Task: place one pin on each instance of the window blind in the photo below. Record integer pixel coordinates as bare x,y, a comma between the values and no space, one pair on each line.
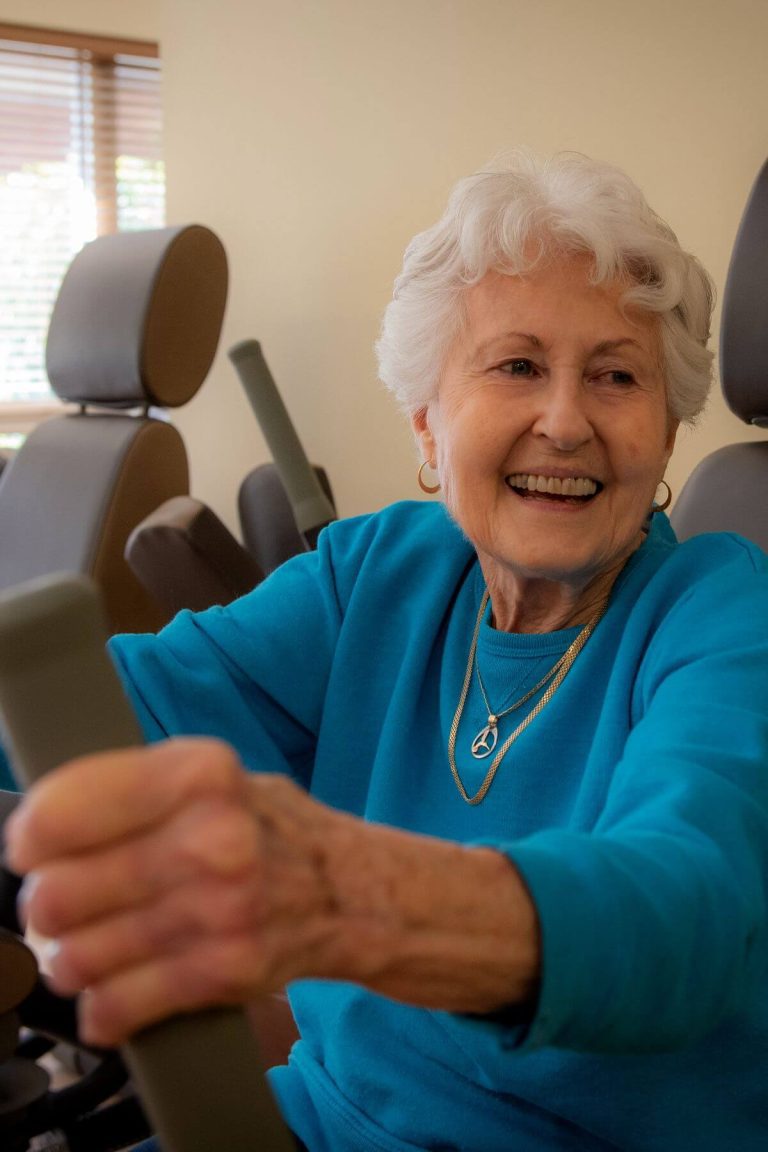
80,156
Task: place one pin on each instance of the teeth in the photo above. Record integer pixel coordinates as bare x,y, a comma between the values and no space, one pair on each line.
553,485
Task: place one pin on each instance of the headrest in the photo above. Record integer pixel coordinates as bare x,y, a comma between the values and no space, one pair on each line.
744,326
138,318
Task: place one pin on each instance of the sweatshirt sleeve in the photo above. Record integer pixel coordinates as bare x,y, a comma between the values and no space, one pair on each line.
654,923
252,673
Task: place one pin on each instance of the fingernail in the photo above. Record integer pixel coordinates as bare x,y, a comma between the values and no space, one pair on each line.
54,967
26,892
47,953
12,829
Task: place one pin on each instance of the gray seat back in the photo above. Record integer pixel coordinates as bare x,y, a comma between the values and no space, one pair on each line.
269,528
136,323
728,490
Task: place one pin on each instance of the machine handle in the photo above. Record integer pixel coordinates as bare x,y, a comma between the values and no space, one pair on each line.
198,1075
312,509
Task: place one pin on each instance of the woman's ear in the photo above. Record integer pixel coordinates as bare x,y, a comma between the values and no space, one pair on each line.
420,424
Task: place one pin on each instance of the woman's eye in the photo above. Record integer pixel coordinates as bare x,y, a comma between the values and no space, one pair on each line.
518,368
617,376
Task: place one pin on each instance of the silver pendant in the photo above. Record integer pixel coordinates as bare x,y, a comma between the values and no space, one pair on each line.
485,742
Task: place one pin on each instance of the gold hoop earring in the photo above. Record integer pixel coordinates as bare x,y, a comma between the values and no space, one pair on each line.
663,507
428,488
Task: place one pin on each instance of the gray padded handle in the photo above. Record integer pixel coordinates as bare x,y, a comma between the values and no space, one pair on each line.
311,507
199,1075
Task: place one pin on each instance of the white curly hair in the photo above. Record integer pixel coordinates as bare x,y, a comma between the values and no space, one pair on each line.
518,213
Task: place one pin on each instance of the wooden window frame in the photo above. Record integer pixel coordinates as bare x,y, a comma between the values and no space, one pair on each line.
18,417
103,48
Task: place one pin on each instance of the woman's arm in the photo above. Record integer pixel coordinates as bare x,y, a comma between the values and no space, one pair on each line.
199,884
653,921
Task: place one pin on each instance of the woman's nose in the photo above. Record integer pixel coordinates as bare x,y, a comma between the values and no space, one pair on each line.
563,417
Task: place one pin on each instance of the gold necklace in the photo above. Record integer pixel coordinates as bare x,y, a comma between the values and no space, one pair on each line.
556,675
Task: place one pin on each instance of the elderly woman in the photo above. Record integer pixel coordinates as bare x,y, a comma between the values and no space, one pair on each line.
504,829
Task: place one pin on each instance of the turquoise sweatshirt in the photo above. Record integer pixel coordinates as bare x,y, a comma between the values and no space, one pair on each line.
635,806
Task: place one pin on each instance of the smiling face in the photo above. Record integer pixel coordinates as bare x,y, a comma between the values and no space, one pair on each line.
550,433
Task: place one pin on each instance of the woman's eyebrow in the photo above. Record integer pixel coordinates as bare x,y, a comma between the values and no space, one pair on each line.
494,345
599,349
613,345
484,346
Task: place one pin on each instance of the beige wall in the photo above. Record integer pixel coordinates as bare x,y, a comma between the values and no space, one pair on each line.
316,136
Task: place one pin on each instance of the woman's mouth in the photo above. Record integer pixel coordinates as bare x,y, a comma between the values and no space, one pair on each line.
563,489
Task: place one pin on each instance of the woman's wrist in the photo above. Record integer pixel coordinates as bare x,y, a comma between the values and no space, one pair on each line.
429,921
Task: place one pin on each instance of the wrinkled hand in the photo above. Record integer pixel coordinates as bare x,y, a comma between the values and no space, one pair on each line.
169,880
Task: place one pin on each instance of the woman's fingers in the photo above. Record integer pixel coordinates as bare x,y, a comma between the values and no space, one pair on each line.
276,886
141,995
102,798
179,923
169,880
214,970
212,837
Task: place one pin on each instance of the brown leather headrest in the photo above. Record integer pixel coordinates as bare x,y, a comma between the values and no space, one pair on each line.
138,317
